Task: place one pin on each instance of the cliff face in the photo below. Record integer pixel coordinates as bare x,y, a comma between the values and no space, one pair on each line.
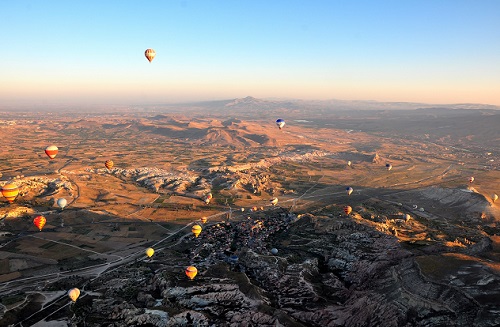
328,272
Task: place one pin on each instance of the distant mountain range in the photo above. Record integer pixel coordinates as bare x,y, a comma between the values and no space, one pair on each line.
250,101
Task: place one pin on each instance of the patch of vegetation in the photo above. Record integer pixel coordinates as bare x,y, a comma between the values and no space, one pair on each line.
9,300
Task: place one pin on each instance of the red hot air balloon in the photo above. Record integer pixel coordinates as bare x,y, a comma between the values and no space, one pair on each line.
150,54
39,222
51,151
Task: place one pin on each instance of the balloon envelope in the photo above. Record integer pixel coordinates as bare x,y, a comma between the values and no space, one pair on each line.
196,230
471,179
10,191
274,251
39,222
51,151
274,201
388,166
494,197
349,163
203,220
348,190
347,210
73,294
108,164
150,54
62,203
150,252
191,272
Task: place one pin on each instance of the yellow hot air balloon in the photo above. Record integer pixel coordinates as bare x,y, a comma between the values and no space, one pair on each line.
494,197
150,54
347,210
10,191
203,220
109,164
150,252
196,230
73,294
191,272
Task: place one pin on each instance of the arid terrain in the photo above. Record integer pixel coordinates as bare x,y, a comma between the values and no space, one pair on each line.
421,246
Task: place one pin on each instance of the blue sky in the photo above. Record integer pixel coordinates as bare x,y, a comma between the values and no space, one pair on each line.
92,52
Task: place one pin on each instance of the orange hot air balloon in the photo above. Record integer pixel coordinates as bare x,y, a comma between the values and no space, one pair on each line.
73,294
347,210
10,191
51,151
196,230
109,164
203,220
150,252
39,222
191,272
150,54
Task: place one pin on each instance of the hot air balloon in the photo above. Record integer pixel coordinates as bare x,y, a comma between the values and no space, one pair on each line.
62,203
347,210
348,190
471,179
415,206
39,222
203,220
150,54
407,217
73,294
150,252
280,123
349,163
274,251
494,197
191,272
51,151
10,191
208,197
196,230
109,164
388,166
274,201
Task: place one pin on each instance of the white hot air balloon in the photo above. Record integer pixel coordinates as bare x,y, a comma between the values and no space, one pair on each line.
62,203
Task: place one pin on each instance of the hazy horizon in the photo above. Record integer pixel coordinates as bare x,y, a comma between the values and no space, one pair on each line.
92,53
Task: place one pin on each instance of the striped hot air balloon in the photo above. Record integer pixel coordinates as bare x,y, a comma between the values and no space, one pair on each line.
191,272
10,191
196,230
109,164
51,151
39,222
150,54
